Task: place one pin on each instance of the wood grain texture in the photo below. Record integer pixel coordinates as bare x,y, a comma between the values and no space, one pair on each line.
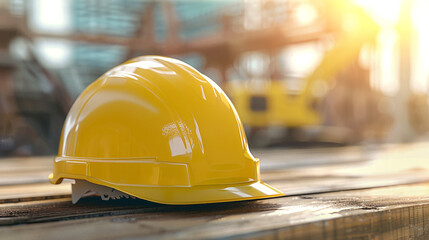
390,212
360,168
382,194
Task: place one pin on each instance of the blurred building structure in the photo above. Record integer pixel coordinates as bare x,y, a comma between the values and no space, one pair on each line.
33,101
238,40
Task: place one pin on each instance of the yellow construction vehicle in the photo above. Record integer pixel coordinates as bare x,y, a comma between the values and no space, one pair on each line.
273,104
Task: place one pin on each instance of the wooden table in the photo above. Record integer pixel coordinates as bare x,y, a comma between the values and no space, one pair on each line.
332,193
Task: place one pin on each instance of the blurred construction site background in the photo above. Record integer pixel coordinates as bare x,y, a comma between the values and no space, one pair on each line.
298,71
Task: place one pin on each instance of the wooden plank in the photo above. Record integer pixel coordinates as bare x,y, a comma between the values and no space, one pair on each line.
30,207
32,192
289,181
280,158
385,169
47,209
391,212
60,209
28,177
26,164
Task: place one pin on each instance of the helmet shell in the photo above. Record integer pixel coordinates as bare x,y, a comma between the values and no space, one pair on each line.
155,124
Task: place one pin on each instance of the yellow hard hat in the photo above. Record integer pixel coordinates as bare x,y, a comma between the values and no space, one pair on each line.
157,129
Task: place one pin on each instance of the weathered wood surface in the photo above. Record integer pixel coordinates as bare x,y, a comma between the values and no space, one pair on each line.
322,203
398,212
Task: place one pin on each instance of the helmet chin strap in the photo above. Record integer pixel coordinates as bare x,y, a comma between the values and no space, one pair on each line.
82,188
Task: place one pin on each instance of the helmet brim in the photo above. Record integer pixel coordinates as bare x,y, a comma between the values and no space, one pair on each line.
203,194
194,195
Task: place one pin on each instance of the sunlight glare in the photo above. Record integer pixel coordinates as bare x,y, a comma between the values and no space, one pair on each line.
384,12
420,19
